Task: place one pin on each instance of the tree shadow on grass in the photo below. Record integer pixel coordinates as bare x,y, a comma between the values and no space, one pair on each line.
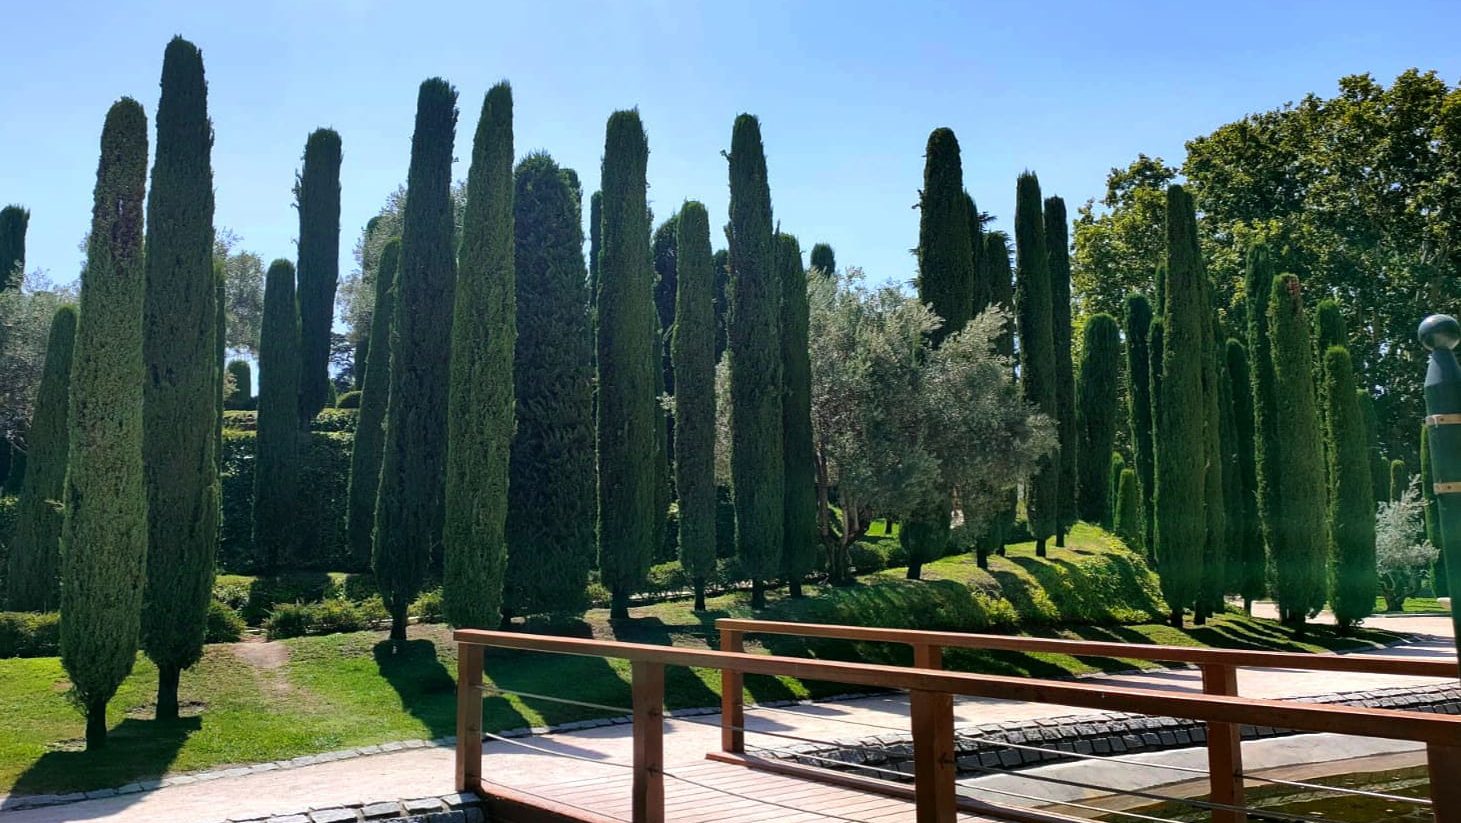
427,690
135,750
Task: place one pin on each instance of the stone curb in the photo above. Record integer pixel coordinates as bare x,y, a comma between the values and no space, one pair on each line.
452,808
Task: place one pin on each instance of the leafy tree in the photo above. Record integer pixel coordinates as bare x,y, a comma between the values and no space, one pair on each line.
33,582
1432,511
1139,404
1128,519
180,395
799,544
276,472
692,350
1098,415
1037,349
1251,567
1401,560
753,329
13,223
1057,241
317,195
104,537
550,513
243,292
1120,242
627,368
365,456
824,259
409,506
1351,501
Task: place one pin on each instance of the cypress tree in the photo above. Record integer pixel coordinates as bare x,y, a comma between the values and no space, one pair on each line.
13,223
663,247
1328,328
1057,241
1139,403
1432,514
409,501
180,396
721,264
1399,478
33,581
365,456
1098,415
276,472
799,544
104,536
1228,542
995,261
753,328
1156,343
1351,501
243,384
824,259
1298,550
550,511
595,241
1037,350
1117,466
317,195
1258,286
1214,398
1182,453
945,256
1251,572
627,368
480,402
692,348
1128,519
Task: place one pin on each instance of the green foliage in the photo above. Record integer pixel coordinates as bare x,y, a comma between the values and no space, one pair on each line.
550,514
370,424
1120,241
30,634
1068,418
224,625
799,524
1432,510
692,350
824,259
1098,415
1139,404
945,252
627,418
329,616
1399,478
409,500
13,223
241,395
1038,373
753,327
1351,501
348,400
1117,465
33,581
1328,328
664,247
1379,466
429,607
323,466
1128,522
1251,573
104,539
276,475
480,405
317,196
1218,447
1268,468
994,266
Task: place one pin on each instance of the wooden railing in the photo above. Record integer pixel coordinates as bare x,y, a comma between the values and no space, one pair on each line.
931,691
1218,667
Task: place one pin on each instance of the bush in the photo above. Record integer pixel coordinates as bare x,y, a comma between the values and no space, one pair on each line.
232,593
330,616
340,419
869,556
265,593
224,624
348,400
289,620
359,587
9,508
324,480
427,607
334,616
30,634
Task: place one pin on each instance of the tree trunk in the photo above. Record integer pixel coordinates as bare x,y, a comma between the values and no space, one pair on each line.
981,558
758,594
1040,547
96,724
915,569
1176,618
398,623
1248,606
699,594
1060,537
794,589
619,604
167,692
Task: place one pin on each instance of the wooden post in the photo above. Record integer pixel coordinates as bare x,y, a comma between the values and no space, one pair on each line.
732,699
1445,765
469,718
1224,747
933,756
927,656
649,742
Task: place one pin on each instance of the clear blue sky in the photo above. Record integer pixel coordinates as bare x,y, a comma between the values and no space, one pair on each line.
846,91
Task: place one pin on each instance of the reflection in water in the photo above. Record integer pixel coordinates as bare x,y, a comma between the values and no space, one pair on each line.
1308,803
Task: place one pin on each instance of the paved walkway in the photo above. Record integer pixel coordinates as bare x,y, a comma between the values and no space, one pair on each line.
604,750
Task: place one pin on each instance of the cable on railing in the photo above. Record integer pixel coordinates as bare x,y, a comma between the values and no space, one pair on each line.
902,776
761,800
531,696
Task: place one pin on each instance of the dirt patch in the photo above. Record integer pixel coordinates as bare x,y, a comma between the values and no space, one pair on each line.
261,654
186,708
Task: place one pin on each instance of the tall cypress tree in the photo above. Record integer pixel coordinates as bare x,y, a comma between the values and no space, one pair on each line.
1117,467
1037,350
627,369
180,396
276,469
1127,519
1399,478
1258,286
104,537
409,507
1300,537
1228,542
1156,343
33,581
692,349
1351,501
317,195
799,545
1432,515
1057,242
365,456
595,241
1139,404
663,247
720,263
753,327
1182,454
1215,487
1252,570
550,512
824,259
13,223
480,401
1328,328
1098,415
995,261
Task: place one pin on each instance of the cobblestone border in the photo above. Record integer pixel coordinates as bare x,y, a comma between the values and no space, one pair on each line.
461,807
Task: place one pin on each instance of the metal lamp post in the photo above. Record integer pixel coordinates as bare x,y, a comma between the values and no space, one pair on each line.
1440,333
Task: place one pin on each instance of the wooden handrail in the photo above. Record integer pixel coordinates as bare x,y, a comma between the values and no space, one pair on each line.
1237,658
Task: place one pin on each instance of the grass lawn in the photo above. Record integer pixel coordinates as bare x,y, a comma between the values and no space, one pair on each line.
1420,605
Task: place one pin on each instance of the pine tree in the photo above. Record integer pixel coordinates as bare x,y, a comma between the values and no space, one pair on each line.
480,401
1037,350
276,472
994,262
753,328
33,581
1432,513
317,195
13,223
180,395
824,260
627,416
1139,404
365,456
1098,415
799,545
1128,519
550,512
1252,559
104,536
1298,550
243,384
1258,286
409,503
1116,468
1057,241
692,349
1351,501
1399,478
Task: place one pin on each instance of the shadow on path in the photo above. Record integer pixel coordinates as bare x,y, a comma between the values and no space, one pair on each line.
135,750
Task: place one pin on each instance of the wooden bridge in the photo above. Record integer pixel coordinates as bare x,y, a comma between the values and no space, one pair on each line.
733,785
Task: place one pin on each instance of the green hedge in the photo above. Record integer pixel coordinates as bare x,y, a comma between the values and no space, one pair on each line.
328,420
30,634
9,508
324,483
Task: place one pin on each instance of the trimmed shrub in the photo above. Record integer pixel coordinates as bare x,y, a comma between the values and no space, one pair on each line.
13,223
276,478
428,607
348,400
224,624
824,259
317,198
324,461
1129,524
241,396
30,634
